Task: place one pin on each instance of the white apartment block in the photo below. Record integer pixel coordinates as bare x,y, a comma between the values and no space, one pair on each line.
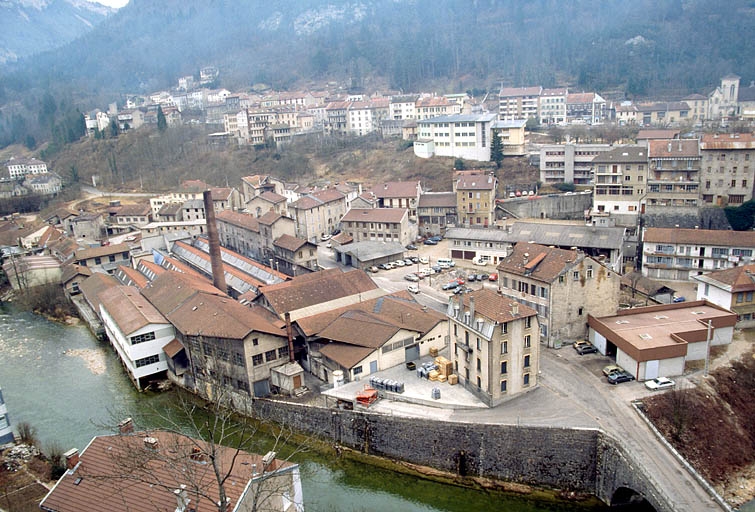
459,136
569,163
20,167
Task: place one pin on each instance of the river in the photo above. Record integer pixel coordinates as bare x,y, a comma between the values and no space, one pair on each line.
70,387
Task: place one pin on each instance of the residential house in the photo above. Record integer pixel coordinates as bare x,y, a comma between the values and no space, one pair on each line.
72,276
626,114
317,214
398,194
252,186
657,341
148,471
496,345
552,106
378,225
272,227
129,216
106,257
239,232
192,210
727,174
518,102
475,198
673,176
569,163
403,107
20,167
586,108
435,106
294,255
265,202
436,211
137,331
563,286
336,122
698,108
668,113
460,136
619,181
732,289
675,254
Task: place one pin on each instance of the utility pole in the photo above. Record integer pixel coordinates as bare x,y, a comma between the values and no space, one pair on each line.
707,349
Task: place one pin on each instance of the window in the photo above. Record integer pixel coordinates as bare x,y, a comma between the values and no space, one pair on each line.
527,361
357,370
238,359
270,356
526,379
527,341
561,279
257,359
141,338
503,386
97,261
283,352
144,361
111,258
740,297
504,347
580,311
505,328
479,383
255,341
223,355
504,367
207,349
528,322
589,272
479,364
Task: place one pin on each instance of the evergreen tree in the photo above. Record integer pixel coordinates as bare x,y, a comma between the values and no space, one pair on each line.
162,124
496,150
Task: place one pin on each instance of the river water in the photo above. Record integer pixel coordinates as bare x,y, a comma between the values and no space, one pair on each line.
69,387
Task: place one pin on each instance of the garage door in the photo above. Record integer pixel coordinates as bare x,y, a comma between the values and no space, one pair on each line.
457,254
411,353
262,388
651,369
470,255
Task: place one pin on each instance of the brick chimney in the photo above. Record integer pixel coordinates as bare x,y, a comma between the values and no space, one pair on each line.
218,276
151,443
126,426
72,458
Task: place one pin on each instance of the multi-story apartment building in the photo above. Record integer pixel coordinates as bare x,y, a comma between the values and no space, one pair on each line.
698,107
475,198
20,167
318,213
728,168
459,136
294,256
436,106
678,254
337,117
674,174
585,107
518,102
732,289
552,107
563,286
378,225
496,345
402,108
398,194
436,211
569,163
619,182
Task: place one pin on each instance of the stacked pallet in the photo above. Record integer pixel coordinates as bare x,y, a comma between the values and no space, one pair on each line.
445,367
433,352
453,379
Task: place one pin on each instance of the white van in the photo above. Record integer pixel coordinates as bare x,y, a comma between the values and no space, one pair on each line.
413,288
480,260
445,262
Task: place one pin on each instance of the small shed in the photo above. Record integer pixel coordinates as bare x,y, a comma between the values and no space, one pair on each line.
288,379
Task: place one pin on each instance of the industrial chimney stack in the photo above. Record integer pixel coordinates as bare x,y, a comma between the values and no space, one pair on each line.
218,276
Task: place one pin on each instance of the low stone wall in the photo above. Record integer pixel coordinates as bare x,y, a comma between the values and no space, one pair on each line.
554,206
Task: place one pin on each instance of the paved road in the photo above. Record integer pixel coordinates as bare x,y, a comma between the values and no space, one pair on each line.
572,393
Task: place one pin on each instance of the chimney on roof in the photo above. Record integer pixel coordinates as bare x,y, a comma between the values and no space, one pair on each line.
126,426
526,258
515,309
218,276
182,499
72,458
669,147
151,443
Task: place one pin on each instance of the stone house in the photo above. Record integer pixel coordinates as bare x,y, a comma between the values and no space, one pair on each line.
495,345
398,194
436,211
378,225
294,255
475,198
727,174
317,214
89,228
106,257
563,286
265,202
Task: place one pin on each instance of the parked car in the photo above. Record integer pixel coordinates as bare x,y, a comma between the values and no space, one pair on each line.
482,277
374,269
336,232
384,266
436,269
459,280
659,383
589,348
493,277
414,259
329,245
411,247
679,299
423,259
430,242
399,263
450,286
426,272
325,237
619,377
579,343
471,278
413,288
411,277
408,261
612,368
436,238
461,289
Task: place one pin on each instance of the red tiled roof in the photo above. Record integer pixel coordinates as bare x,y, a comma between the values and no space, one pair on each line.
466,181
243,220
740,279
290,243
134,276
550,261
397,189
728,141
495,306
513,92
98,252
677,148
171,289
317,199
120,472
272,197
129,309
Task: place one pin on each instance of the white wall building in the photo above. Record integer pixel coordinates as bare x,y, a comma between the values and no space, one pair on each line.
459,136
